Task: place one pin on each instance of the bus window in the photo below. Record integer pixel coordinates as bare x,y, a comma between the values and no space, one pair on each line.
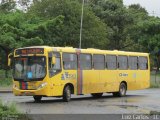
69,61
98,62
143,63
122,62
85,61
111,62
29,68
56,68
133,63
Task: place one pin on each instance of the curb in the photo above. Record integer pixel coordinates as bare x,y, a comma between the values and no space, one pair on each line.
6,91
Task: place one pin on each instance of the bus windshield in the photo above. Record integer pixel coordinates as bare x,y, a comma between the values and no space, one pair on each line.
29,68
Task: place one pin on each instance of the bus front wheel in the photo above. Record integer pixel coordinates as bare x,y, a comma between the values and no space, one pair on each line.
96,95
67,94
37,98
122,90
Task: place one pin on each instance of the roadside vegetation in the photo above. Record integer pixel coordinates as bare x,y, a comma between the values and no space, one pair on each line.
10,112
155,80
5,82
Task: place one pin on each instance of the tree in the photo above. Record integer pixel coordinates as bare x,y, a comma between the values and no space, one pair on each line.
94,30
7,6
149,35
144,30
17,30
116,17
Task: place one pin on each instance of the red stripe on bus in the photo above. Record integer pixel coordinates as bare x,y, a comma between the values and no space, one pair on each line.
23,86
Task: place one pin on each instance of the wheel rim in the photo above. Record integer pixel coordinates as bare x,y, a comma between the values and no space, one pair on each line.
68,94
123,90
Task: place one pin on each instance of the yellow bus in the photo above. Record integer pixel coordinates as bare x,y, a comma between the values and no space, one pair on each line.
43,71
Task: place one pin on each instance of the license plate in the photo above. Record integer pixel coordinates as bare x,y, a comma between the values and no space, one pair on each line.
28,94
31,86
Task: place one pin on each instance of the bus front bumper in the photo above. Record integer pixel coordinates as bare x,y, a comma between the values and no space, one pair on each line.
42,92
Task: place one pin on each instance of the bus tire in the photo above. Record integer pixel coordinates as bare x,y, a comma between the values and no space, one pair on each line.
67,94
37,98
96,95
122,90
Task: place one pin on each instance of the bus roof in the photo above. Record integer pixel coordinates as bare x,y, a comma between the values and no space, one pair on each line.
88,50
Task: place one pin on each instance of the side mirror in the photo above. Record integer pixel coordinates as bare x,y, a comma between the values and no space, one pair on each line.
53,60
10,56
9,62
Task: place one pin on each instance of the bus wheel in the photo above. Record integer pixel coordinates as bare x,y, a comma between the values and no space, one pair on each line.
37,98
96,95
122,91
67,94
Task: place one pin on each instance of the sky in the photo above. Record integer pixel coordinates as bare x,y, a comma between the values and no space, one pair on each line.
152,6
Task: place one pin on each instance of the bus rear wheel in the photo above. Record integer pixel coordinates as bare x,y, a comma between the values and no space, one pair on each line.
96,95
67,94
37,98
122,90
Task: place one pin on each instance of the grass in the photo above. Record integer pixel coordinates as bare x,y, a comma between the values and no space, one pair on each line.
155,80
155,84
4,82
10,112
8,109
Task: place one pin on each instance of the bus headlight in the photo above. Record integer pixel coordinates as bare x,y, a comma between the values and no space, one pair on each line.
42,86
15,86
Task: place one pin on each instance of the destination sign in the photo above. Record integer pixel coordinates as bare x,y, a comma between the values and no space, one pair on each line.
30,51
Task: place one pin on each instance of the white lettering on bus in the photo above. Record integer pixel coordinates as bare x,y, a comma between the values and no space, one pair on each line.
123,75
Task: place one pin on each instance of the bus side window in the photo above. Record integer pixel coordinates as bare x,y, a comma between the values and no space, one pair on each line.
69,61
123,62
99,62
54,68
111,62
143,63
133,62
85,61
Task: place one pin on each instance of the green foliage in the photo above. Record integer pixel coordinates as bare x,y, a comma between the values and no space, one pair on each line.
155,80
4,82
155,85
148,34
107,24
18,30
117,18
9,111
7,6
94,30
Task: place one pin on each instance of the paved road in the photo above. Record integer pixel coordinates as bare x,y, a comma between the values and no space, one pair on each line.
136,102
141,101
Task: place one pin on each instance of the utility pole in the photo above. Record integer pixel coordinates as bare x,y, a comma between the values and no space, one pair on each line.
153,13
81,26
